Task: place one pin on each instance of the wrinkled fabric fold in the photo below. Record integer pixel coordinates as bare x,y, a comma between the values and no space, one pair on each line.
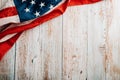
6,45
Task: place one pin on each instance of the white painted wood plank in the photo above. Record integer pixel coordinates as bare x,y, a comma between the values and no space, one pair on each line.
113,40
75,43
39,53
7,63
96,42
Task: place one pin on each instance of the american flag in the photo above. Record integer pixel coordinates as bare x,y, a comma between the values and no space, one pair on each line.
17,16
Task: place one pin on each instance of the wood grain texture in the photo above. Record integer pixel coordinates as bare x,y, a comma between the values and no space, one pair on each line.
113,40
82,44
96,42
75,44
40,58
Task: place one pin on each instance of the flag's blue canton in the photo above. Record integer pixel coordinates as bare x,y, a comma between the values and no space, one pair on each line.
30,9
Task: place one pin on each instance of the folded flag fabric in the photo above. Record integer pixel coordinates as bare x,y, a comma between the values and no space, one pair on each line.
17,16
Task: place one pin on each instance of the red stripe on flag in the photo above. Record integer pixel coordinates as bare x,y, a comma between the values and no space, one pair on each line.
11,11
81,2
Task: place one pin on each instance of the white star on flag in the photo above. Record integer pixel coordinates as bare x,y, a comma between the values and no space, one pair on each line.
51,6
37,14
27,10
32,2
42,4
23,0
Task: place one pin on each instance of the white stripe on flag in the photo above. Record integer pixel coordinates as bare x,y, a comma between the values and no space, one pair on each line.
7,37
7,4
12,19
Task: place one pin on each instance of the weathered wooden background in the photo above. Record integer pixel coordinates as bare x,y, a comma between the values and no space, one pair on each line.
82,44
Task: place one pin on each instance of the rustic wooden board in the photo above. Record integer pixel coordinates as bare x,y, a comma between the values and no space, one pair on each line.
40,58
75,44
113,40
82,44
96,42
